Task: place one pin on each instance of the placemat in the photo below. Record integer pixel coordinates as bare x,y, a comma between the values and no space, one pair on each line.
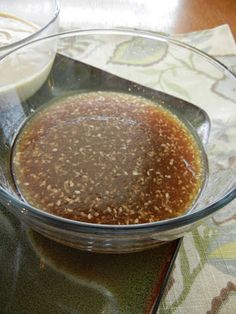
204,276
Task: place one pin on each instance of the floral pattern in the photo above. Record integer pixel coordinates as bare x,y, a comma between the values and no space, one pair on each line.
204,278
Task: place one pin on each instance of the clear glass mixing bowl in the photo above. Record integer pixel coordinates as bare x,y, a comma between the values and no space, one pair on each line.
69,62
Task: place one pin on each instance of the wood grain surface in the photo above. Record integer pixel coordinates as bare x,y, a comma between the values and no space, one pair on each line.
169,16
193,15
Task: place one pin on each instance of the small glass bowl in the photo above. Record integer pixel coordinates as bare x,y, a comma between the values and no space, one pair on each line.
21,22
151,60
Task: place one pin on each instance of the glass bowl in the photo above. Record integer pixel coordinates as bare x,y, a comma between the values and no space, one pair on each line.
20,23
133,61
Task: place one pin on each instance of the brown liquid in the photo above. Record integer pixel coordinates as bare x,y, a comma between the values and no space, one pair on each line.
107,158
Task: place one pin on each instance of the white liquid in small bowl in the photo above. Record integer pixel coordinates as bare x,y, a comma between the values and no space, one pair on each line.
13,29
26,70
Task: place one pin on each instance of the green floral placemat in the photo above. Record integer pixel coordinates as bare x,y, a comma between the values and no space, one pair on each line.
204,276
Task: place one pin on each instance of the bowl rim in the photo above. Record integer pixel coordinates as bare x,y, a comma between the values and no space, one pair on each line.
32,36
162,225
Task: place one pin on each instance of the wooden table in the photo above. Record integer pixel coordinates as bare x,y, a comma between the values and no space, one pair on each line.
182,16
169,16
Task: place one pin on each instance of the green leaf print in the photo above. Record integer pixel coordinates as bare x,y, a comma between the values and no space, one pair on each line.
201,242
139,52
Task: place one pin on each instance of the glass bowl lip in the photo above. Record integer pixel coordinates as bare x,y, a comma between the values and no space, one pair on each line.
162,225
31,37
115,31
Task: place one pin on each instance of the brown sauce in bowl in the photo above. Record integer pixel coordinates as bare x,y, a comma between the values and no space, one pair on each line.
107,158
